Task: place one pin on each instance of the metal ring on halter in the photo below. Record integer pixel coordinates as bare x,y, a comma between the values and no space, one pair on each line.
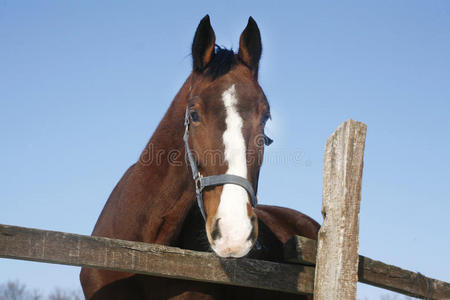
198,183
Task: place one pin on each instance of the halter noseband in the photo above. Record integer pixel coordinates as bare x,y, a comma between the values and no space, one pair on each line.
202,182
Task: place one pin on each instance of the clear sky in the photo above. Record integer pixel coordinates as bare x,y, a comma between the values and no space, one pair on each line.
83,85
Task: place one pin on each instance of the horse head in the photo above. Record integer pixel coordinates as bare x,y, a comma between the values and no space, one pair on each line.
226,111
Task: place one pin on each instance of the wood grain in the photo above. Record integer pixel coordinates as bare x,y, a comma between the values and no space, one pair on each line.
338,242
375,273
134,257
299,249
402,281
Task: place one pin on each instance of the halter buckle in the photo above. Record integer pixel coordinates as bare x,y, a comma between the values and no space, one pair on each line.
198,183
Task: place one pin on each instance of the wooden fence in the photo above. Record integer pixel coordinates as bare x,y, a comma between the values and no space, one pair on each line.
329,268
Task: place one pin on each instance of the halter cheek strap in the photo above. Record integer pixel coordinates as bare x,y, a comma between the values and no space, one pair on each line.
214,180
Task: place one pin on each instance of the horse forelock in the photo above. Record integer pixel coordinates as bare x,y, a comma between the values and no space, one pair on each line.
223,61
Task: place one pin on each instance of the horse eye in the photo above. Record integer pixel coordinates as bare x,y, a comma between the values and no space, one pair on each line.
194,116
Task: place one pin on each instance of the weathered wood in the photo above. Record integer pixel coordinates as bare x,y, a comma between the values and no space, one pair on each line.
337,249
117,255
402,281
375,273
301,250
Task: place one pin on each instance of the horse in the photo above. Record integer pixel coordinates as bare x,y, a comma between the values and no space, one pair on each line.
194,185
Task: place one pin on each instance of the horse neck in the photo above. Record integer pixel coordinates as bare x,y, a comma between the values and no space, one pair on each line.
164,154
153,197
166,181
165,150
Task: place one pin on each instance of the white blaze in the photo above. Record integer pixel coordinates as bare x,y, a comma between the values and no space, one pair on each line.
235,225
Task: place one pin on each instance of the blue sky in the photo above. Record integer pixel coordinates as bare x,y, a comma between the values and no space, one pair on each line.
84,84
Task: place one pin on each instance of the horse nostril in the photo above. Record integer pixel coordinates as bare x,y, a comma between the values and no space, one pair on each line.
216,234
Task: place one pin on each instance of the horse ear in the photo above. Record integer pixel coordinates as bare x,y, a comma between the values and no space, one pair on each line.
203,45
250,47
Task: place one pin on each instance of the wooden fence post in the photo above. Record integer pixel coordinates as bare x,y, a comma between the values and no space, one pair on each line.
336,272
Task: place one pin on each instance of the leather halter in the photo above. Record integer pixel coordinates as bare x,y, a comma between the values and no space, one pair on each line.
214,180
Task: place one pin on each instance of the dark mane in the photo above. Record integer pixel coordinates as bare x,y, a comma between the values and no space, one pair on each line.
224,60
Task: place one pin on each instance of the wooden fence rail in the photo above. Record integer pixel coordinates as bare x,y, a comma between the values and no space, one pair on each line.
125,256
134,257
376,273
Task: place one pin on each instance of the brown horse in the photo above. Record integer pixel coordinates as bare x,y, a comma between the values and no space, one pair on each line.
217,122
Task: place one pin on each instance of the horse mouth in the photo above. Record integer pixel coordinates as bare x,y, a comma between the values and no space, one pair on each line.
237,251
